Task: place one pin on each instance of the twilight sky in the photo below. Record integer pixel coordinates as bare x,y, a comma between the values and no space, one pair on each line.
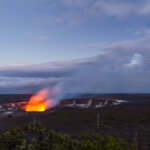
79,45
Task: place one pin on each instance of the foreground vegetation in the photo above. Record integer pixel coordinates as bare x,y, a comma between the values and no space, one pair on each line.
36,137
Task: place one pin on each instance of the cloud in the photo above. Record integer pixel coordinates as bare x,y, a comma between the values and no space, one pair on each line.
100,74
124,67
136,60
129,47
121,9
110,8
39,35
81,11
92,45
75,3
140,31
144,9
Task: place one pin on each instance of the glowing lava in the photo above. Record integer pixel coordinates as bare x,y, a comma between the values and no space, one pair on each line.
39,102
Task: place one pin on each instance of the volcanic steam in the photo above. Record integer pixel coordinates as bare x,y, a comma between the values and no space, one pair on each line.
39,102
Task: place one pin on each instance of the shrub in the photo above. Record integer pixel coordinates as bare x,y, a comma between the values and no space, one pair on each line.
14,139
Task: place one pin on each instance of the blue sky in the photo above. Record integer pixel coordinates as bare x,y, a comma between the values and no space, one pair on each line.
59,42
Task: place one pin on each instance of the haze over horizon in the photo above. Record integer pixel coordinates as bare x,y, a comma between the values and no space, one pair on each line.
82,46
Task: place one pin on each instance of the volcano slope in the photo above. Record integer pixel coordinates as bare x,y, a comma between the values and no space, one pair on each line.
129,122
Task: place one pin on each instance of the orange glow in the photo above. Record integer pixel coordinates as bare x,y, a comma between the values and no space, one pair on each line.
39,102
